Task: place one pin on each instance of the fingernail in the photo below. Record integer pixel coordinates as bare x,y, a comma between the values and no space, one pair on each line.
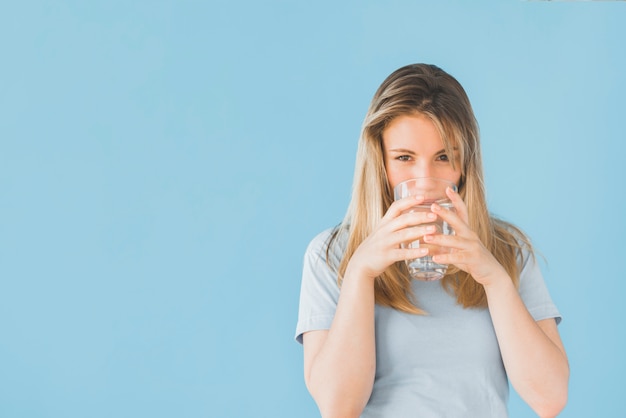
431,216
435,207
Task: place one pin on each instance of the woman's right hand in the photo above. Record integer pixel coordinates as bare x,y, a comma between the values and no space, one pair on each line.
382,247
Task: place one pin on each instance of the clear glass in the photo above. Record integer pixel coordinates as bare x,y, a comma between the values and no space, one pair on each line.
434,191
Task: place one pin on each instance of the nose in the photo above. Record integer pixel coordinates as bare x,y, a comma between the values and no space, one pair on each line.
422,169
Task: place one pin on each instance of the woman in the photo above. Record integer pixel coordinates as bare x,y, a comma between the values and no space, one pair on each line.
378,344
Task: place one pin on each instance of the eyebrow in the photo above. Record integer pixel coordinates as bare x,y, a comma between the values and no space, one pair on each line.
408,151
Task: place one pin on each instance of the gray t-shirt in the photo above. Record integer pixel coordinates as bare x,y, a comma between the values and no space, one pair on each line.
443,364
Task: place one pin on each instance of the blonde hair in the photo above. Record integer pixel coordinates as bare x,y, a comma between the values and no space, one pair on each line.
430,91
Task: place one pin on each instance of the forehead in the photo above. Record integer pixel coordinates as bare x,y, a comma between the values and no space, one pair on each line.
415,130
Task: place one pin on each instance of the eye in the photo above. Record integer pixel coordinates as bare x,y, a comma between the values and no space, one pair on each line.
403,158
443,157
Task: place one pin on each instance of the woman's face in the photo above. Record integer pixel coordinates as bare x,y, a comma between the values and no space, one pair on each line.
413,148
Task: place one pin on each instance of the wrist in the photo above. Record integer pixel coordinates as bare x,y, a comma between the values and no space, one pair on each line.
499,281
357,273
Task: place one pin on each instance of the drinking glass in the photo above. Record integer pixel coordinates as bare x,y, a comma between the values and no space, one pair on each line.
434,191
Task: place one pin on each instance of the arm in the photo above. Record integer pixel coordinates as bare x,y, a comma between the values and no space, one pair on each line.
340,363
532,352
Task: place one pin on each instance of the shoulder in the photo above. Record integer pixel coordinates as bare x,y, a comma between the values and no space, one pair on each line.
328,247
319,291
320,241
330,244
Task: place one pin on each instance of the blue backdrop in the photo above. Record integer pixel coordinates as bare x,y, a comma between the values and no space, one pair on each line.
163,165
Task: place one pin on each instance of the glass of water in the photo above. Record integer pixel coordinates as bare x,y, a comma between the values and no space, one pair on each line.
434,191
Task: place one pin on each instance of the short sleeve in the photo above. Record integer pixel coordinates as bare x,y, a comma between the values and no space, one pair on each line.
534,292
319,290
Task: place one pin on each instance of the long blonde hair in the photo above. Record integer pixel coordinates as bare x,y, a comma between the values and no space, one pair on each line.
430,91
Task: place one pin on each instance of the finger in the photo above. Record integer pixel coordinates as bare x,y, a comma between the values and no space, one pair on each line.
458,203
410,234
452,218
401,254
412,219
461,259
449,258
449,241
402,205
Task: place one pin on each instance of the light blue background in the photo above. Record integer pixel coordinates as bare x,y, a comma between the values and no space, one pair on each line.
163,165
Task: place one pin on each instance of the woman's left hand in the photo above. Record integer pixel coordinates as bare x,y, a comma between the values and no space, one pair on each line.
468,252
